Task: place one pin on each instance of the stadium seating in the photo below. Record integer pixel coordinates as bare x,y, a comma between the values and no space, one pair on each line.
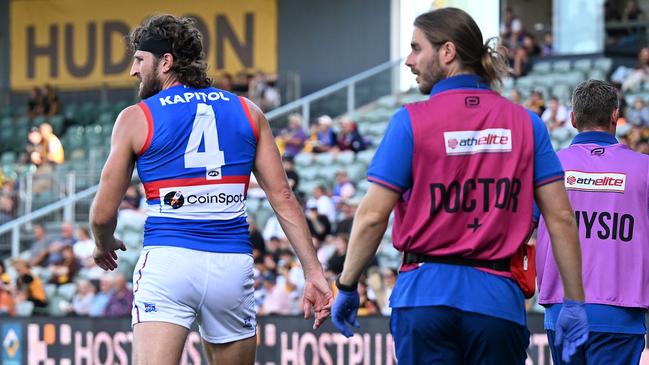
560,77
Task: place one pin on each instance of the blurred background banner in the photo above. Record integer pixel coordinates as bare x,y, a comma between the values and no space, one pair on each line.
76,42
280,340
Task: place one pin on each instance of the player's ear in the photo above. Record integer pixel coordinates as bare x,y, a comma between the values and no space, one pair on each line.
572,120
167,62
615,115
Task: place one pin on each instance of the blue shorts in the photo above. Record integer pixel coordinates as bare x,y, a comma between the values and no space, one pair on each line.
602,348
449,336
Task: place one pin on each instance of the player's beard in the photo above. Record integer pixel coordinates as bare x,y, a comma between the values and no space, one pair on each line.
431,74
150,84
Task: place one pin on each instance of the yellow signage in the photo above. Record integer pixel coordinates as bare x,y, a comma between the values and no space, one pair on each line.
77,43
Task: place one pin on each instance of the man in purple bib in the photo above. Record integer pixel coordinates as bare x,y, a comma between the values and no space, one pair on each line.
607,184
461,171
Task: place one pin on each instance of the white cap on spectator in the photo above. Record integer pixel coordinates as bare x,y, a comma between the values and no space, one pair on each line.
325,119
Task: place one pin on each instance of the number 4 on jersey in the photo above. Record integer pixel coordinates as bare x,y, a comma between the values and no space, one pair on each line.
204,128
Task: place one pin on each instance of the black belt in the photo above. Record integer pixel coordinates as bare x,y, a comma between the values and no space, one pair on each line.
497,265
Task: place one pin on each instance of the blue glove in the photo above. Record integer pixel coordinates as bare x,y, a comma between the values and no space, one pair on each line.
572,328
345,309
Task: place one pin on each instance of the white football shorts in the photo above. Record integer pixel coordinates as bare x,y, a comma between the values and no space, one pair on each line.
178,285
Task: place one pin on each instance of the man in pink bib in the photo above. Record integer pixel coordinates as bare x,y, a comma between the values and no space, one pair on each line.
461,171
608,187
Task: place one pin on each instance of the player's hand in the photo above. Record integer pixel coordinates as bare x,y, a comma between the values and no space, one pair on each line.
572,328
106,257
345,309
317,294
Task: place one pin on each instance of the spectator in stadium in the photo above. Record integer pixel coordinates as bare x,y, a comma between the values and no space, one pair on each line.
336,261
291,174
276,299
556,115
319,224
547,48
100,301
7,303
516,97
131,198
535,102
262,91
523,55
35,103
83,247
51,105
225,82
40,249
34,148
347,209
366,306
67,234
324,203
4,276
273,229
169,60
343,187
52,145
639,74
29,287
615,263
632,12
120,302
389,279
66,268
472,315
349,138
6,209
256,239
292,139
323,138
638,114
83,298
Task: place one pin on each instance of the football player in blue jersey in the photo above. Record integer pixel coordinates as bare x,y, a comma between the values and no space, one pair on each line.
196,264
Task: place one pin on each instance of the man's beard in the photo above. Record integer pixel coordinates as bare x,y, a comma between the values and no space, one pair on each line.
150,85
434,75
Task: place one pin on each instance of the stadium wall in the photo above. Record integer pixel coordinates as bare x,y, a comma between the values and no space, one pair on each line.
337,38
281,340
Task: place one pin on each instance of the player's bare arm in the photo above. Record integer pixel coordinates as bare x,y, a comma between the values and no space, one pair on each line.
272,179
129,134
554,205
370,223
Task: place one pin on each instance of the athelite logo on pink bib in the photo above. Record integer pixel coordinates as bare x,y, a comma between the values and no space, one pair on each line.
590,181
471,142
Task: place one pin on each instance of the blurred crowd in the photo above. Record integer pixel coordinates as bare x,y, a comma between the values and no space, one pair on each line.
57,275
258,87
520,45
324,136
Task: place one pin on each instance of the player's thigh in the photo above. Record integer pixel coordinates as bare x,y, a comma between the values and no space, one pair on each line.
488,340
168,284
227,314
614,348
240,352
426,335
158,343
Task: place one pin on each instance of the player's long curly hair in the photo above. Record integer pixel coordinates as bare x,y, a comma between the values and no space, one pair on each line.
187,46
455,25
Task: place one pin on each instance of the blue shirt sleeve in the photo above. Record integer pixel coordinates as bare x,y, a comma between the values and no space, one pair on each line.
391,166
547,167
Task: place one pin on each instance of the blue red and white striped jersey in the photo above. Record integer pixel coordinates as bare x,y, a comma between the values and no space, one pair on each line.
195,167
